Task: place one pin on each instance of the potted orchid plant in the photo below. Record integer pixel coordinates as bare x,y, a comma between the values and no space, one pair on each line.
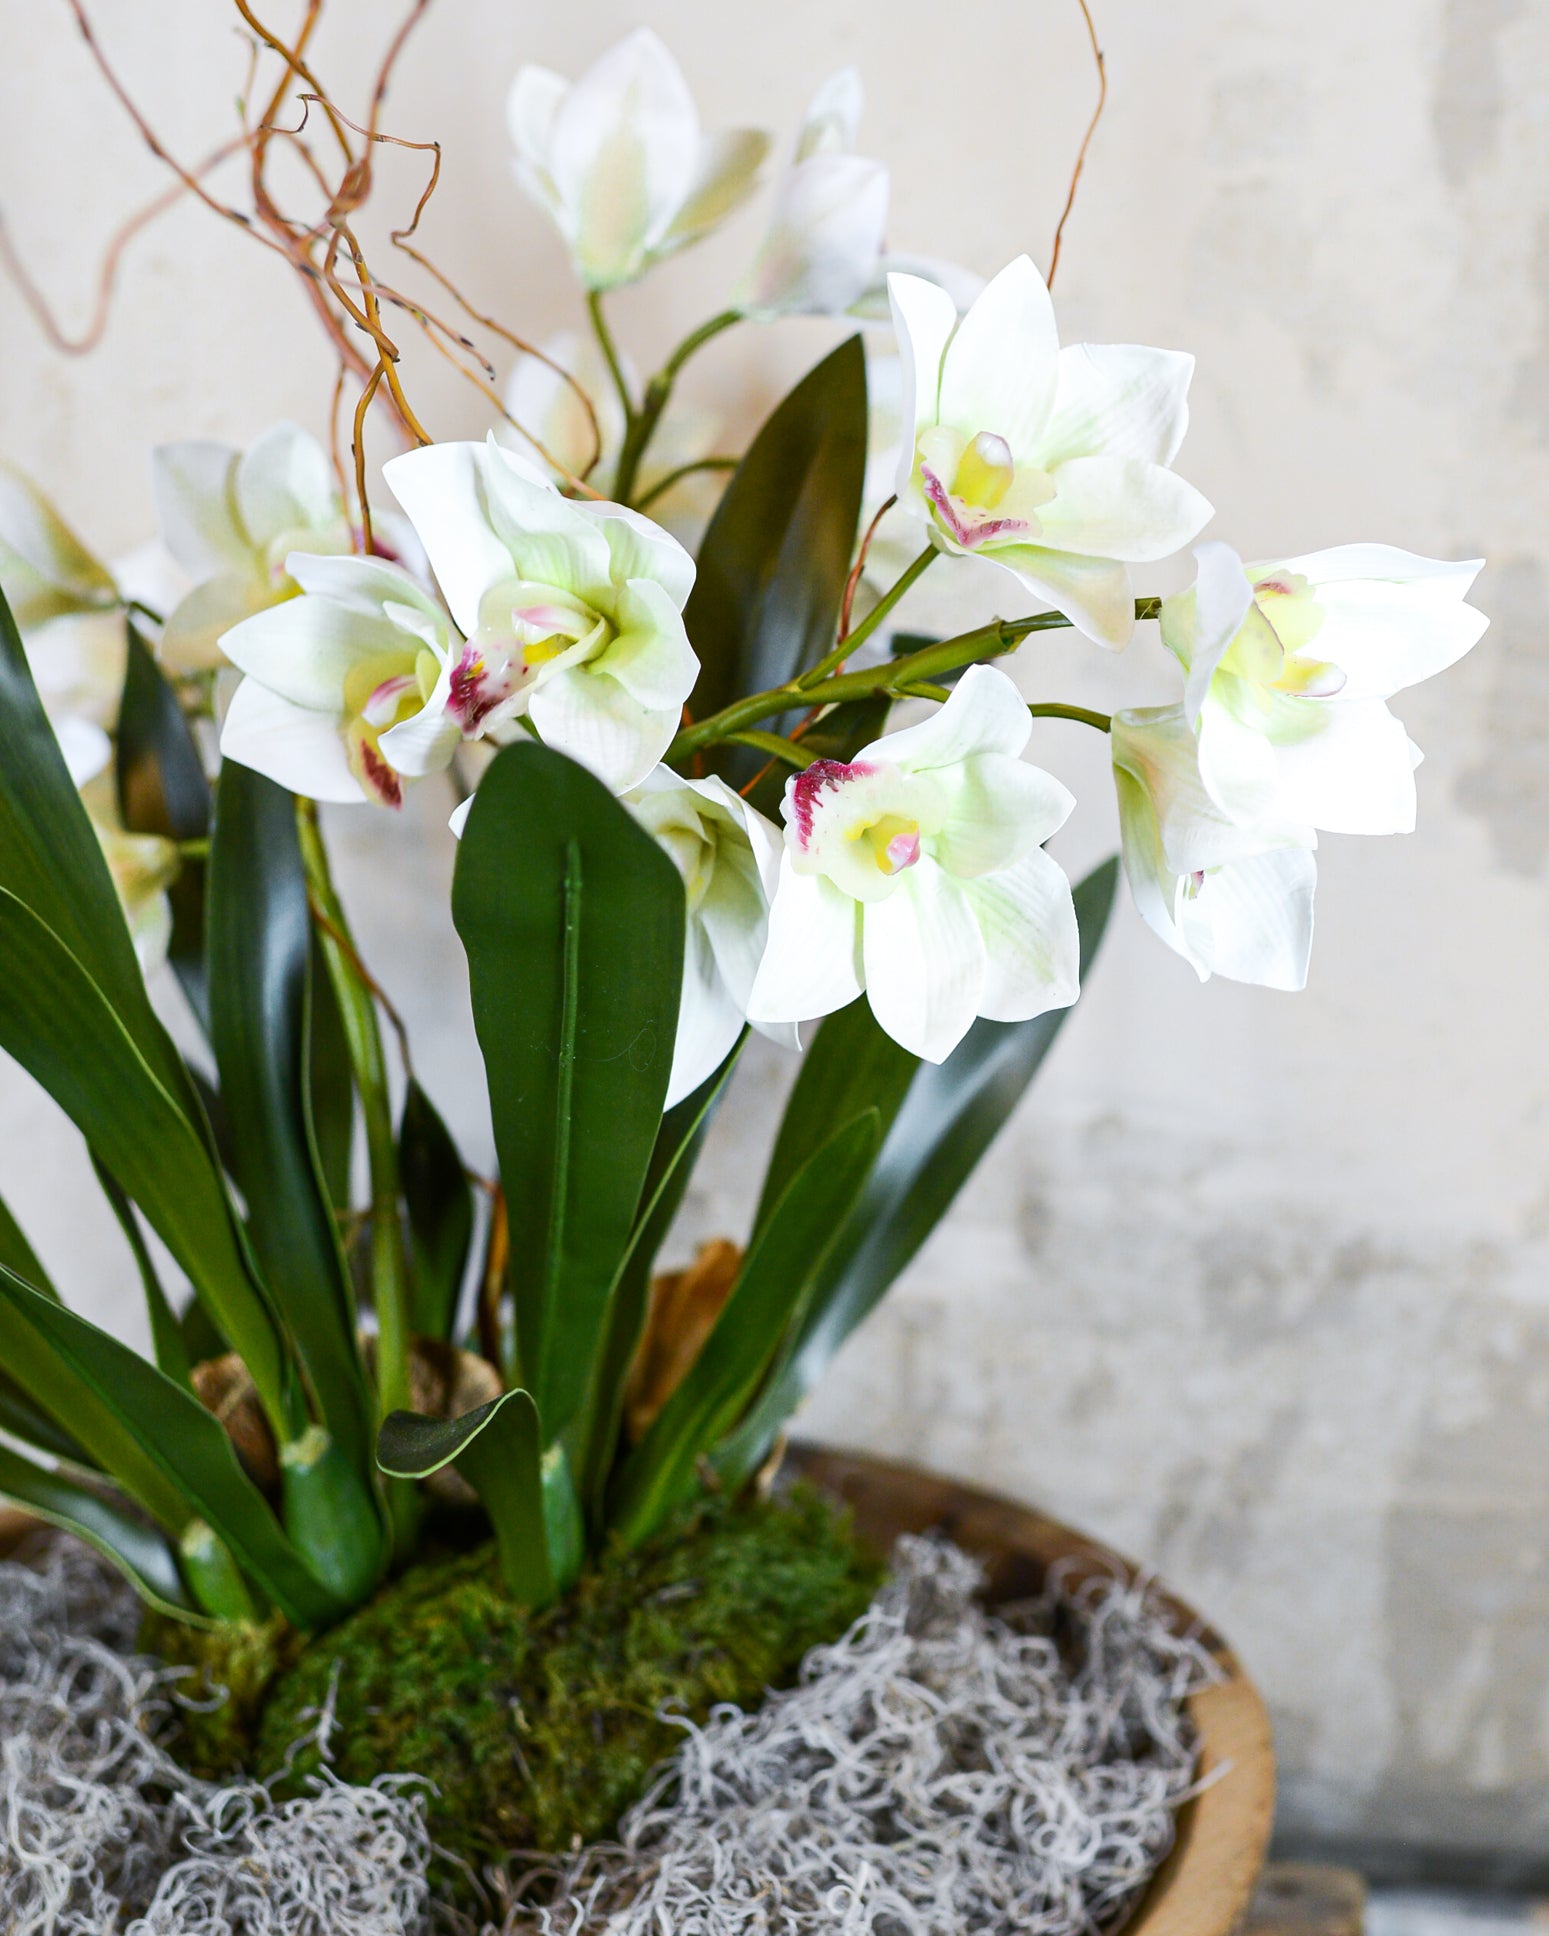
697,794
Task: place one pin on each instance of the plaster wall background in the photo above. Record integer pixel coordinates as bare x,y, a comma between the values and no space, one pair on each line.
1255,1286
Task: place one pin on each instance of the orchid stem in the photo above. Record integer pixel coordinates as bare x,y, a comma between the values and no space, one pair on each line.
925,667
851,643
1050,709
357,1008
610,352
665,484
641,424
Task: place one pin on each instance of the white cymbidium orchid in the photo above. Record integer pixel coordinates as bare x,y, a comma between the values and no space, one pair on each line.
353,686
573,610
820,252
45,571
729,857
916,873
618,162
1053,463
230,519
1232,899
1290,666
143,867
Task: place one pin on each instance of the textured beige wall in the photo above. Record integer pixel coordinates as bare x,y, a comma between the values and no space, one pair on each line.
1255,1286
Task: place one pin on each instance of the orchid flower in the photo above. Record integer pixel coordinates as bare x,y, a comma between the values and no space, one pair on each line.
45,571
824,240
1232,899
618,163
572,609
1289,667
231,519
143,867
916,873
729,857
352,687
1052,463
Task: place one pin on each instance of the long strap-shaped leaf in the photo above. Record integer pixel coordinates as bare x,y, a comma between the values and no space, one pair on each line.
167,1340
139,1551
573,921
260,940
155,1440
498,1450
52,861
59,1026
774,560
948,1119
162,790
18,1254
440,1206
774,1283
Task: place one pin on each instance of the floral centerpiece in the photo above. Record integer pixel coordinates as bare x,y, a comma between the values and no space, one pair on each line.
696,794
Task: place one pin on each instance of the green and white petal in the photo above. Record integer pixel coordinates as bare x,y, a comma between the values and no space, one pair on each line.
637,548
44,568
812,963
1032,946
1198,625
999,370
305,648
1354,776
925,958
1121,507
650,655
1385,636
365,585
442,493
191,638
998,809
532,106
193,486
584,712
1155,749
285,482
1117,400
294,746
86,748
1095,594
426,741
727,173
1237,763
824,240
984,714
924,317
1251,920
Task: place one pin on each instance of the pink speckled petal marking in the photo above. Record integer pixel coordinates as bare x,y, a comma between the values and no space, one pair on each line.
476,689
970,535
823,776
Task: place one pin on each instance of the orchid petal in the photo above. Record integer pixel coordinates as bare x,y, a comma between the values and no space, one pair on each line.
709,1020
196,625
999,809
1259,912
590,716
1118,400
650,655
298,748
86,748
1385,636
1198,625
984,714
833,118
924,317
1095,594
637,548
999,370
531,107
824,239
284,482
1032,945
726,174
303,649
193,486
45,568
1121,507
812,961
1352,776
925,961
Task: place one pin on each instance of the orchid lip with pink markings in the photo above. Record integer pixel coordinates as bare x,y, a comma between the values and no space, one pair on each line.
970,531
811,783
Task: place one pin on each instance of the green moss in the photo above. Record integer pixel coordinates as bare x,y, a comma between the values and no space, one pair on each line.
540,1729
214,1737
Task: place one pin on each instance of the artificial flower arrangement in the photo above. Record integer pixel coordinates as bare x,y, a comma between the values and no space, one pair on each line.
701,817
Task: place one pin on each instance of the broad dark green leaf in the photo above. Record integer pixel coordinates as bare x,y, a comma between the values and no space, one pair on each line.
18,1254
33,1427
573,921
439,1200
155,1440
678,1143
771,1291
162,790
497,1448
59,1026
141,1553
773,564
167,1339
51,860
260,939
948,1119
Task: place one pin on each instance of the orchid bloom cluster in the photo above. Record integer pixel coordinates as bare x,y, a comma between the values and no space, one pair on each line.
512,600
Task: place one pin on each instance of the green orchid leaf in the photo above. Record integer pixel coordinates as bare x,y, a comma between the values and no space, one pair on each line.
771,1292
52,861
260,940
59,1026
573,922
950,1115
155,1440
167,1340
141,1553
774,561
18,1254
439,1200
498,1450
329,1089
162,790
31,1425
678,1143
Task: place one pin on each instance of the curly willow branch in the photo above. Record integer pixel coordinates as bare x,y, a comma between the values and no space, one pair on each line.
1086,139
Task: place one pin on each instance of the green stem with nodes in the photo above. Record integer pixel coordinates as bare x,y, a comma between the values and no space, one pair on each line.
640,425
1048,709
856,638
990,641
776,747
357,1007
610,351
664,484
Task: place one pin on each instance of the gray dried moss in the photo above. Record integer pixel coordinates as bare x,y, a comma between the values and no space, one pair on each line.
937,1770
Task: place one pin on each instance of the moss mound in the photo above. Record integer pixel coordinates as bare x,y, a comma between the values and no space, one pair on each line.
540,1729
233,1667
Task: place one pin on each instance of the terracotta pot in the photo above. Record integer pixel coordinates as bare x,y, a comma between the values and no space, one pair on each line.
1202,1889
